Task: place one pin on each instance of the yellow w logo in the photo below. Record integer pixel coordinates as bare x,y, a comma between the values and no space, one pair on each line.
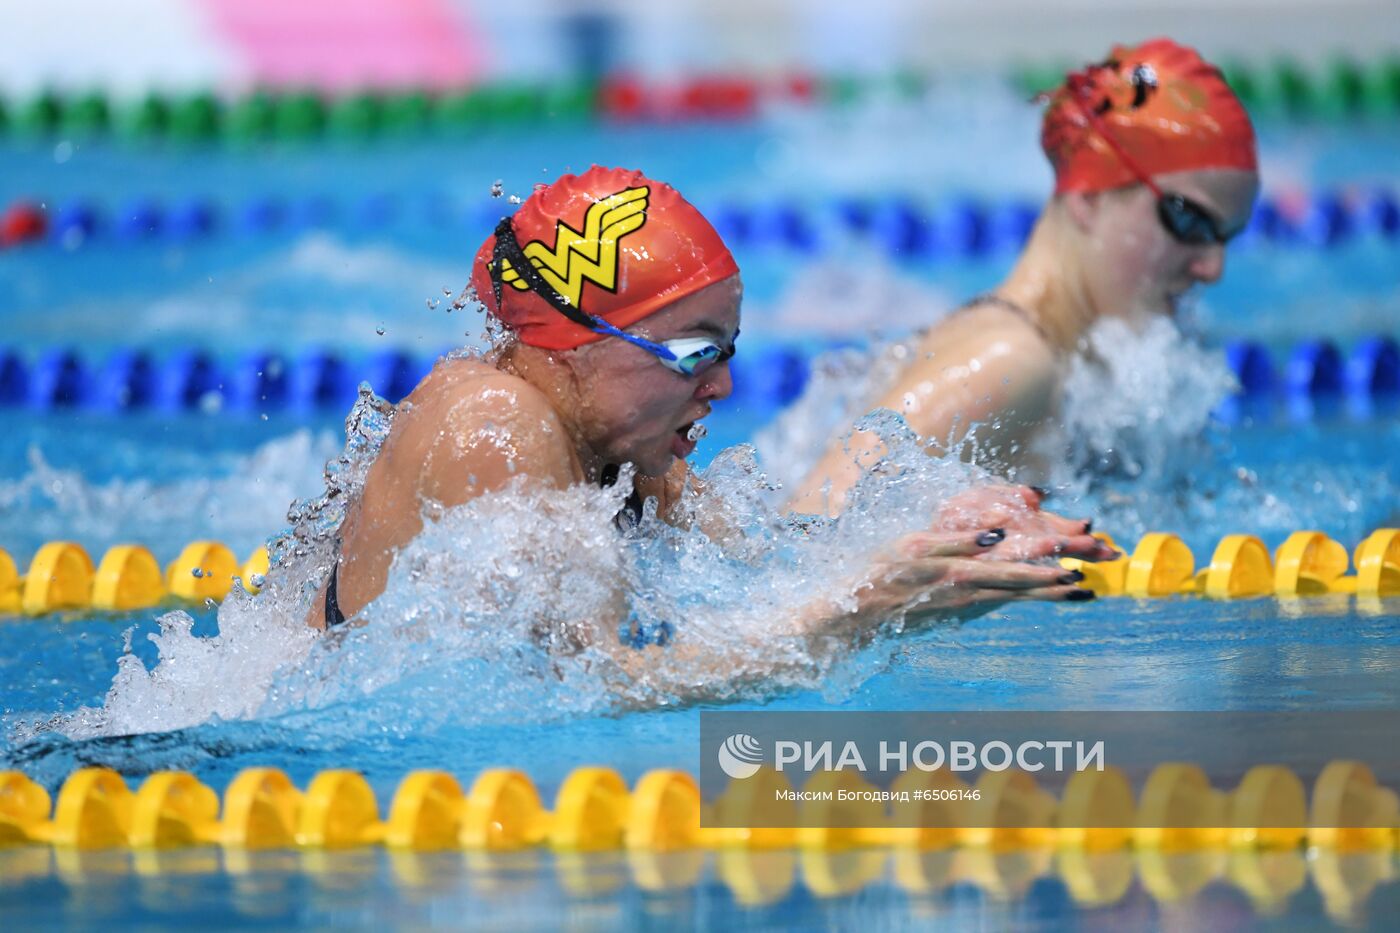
589,255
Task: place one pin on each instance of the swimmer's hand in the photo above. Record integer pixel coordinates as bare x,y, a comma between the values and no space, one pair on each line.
941,576
928,573
1030,534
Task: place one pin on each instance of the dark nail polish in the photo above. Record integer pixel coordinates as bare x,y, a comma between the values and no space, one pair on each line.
1041,491
1074,576
1079,596
1088,525
988,538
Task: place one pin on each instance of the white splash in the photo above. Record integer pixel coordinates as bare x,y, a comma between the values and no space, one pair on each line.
240,507
839,392
489,614
1133,396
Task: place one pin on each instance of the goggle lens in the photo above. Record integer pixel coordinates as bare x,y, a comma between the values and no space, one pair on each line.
1187,221
694,355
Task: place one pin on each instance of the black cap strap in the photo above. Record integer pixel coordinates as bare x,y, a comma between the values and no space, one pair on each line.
507,249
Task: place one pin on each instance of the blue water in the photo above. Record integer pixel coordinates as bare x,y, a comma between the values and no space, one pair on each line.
374,889
166,479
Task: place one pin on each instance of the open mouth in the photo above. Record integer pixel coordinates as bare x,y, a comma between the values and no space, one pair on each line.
687,435
691,431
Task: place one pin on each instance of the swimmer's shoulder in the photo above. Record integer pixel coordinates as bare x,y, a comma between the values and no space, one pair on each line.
461,393
972,330
469,415
980,357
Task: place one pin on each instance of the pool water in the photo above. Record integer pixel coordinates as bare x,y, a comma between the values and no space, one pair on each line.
1024,891
165,479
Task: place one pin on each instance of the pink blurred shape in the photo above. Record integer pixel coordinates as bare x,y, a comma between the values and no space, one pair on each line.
344,44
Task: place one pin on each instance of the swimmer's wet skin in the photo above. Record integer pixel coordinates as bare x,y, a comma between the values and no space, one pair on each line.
1155,170
623,306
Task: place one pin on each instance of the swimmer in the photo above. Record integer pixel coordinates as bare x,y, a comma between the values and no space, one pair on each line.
622,305
1155,172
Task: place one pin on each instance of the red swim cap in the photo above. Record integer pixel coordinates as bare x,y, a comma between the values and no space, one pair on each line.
614,243
1165,106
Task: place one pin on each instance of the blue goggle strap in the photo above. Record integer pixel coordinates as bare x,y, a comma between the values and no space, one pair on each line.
697,350
684,355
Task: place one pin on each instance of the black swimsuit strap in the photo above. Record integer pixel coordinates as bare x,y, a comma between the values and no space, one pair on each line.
1006,304
333,614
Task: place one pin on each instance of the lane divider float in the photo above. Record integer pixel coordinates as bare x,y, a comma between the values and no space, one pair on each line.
62,576
1346,880
1308,563
1316,367
1341,88
263,381
1177,809
904,227
129,379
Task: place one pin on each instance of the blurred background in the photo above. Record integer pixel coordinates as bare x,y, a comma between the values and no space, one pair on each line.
217,216
236,44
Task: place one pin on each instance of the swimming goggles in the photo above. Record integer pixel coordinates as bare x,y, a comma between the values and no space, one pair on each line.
1188,221
688,356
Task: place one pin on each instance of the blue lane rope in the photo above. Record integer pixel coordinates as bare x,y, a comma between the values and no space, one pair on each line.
902,227
1366,377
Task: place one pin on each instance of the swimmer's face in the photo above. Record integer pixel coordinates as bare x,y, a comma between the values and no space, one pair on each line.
638,411
1137,265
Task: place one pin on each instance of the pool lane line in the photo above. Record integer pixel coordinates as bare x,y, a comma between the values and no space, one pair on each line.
63,578
1343,88
1176,809
1315,377
906,227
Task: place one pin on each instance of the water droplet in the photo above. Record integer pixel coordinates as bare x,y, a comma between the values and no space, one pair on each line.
379,330
197,573
514,199
498,188
467,296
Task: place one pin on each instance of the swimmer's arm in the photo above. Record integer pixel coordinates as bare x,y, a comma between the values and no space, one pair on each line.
448,454
1013,386
1010,390
922,579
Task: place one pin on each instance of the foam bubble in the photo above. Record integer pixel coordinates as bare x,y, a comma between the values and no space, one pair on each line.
238,507
1133,397
490,614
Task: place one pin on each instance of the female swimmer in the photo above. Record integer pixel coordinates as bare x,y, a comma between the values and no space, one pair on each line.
1155,172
